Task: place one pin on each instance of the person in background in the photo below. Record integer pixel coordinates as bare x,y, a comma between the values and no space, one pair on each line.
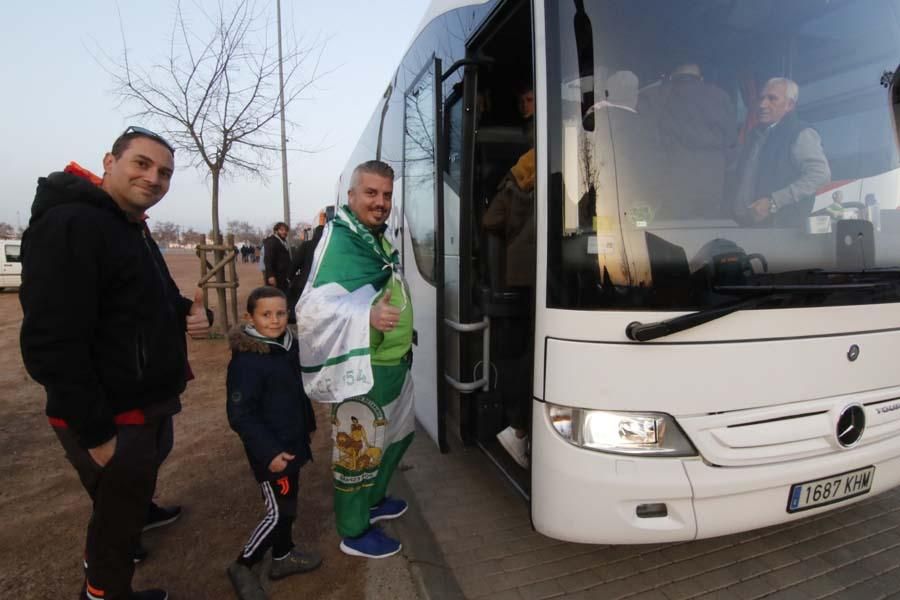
277,258
261,259
300,268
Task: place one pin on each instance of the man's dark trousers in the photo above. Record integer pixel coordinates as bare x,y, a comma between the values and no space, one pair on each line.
121,492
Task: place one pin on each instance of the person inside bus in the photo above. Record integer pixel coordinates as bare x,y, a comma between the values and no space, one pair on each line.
696,125
782,163
525,103
625,157
498,141
510,215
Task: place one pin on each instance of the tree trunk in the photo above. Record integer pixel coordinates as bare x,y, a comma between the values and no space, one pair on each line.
215,203
218,255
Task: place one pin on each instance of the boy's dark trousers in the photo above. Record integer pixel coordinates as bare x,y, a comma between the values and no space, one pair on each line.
121,492
280,496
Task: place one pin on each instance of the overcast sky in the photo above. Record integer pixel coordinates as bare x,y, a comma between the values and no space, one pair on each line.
58,105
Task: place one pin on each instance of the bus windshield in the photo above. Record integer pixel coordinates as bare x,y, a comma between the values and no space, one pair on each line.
698,150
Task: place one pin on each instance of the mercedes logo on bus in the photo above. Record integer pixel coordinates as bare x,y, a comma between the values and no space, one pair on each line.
850,425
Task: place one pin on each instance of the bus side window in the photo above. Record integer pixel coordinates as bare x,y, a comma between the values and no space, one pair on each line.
453,136
419,175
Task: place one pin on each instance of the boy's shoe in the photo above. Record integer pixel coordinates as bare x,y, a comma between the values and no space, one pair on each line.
159,516
515,445
295,562
388,508
245,582
372,544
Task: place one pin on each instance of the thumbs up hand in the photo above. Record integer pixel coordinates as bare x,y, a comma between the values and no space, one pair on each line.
196,321
382,315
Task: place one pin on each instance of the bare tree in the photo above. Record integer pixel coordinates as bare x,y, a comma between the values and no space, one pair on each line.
217,96
189,236
166,232
244,231
7,231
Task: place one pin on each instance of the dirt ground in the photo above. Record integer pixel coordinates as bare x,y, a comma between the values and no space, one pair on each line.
44,510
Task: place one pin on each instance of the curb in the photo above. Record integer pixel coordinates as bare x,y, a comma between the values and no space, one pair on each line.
434,580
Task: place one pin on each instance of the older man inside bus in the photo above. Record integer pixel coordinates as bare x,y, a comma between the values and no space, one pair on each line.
782,163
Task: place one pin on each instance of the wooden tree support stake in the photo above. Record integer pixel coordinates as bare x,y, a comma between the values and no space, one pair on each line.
225,273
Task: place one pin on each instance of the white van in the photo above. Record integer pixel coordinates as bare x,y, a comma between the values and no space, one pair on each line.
11,265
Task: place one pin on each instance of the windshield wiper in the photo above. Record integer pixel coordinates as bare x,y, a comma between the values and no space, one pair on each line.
644,332
797,288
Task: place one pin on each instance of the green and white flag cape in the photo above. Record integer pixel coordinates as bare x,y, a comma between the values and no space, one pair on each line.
363,372
350,269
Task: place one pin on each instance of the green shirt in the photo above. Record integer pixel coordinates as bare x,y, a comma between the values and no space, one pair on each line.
390,347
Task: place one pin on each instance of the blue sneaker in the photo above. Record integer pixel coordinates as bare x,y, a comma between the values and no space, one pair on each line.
389,508
372,544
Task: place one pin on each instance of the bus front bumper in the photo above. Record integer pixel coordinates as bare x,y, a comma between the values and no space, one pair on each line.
585,496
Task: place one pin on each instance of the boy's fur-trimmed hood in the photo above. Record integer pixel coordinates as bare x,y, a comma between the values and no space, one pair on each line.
239,341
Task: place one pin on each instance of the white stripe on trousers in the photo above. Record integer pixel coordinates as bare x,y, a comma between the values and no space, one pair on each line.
268,523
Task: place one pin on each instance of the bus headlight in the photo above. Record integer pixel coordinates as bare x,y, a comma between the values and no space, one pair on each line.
646,434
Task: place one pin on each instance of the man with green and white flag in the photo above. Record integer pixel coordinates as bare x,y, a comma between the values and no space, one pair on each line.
354,324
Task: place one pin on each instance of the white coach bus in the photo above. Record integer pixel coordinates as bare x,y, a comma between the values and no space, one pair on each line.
707,335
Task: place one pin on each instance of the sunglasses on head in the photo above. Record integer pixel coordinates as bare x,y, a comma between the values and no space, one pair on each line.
150,134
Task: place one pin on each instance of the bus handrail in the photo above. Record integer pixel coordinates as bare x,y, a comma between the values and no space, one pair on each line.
466,388
468,327
483,383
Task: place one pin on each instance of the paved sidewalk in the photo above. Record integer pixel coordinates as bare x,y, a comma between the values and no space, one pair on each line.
483,546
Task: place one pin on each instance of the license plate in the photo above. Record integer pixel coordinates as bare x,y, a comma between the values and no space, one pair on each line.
829,490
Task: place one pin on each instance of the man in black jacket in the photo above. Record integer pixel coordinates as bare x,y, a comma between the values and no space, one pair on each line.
104,333
277,258
300,267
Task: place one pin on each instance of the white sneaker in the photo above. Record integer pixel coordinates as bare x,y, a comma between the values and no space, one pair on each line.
515,445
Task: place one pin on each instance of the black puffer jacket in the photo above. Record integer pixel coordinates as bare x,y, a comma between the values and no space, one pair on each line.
104,324
266,404
277,261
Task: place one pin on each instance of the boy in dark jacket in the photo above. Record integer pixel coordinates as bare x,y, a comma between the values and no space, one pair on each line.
269,410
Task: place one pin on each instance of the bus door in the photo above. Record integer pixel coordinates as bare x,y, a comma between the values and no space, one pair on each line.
488,307
422,205
465,328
